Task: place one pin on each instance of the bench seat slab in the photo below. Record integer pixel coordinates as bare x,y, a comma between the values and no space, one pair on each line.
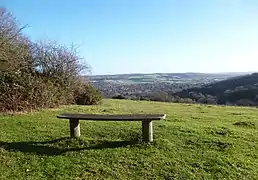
109,117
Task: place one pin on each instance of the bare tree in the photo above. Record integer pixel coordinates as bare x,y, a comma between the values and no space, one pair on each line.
57,62
14,47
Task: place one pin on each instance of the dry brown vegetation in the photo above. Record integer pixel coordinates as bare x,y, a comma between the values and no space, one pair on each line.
38,74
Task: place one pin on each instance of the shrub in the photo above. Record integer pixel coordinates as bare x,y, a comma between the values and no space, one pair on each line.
245,124
38,75
245,102
120,96
87,95
21,92
161,96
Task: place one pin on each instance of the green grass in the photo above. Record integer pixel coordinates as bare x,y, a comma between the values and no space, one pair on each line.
194,142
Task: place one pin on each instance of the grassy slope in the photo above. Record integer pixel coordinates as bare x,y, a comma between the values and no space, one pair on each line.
194,142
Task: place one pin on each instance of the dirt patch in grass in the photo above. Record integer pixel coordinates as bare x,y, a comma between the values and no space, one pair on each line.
236,113
245,124
219,131
210,144
222,132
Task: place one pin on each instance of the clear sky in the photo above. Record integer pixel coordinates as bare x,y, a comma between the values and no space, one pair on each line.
147,36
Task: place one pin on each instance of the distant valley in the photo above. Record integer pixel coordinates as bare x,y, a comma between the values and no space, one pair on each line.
224,88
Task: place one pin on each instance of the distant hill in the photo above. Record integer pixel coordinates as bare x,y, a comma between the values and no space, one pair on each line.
240,90
190,78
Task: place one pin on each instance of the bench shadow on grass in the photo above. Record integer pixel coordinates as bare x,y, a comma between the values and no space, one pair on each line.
63,145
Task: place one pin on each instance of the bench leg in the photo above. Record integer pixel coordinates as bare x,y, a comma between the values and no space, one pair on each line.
74,128
147,131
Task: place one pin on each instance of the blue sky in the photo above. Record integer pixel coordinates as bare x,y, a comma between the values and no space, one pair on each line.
148,36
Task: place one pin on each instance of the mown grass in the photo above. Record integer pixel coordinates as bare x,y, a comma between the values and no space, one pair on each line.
194,142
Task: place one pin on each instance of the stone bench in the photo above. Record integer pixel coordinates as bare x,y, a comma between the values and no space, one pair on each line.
145,118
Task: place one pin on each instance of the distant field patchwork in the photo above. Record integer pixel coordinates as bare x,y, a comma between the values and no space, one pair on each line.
161,77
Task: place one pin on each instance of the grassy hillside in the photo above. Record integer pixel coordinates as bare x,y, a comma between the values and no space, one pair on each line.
194,142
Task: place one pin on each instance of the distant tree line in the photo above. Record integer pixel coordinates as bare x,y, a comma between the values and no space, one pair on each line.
155,96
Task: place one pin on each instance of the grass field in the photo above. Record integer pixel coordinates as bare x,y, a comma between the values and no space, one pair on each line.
194,142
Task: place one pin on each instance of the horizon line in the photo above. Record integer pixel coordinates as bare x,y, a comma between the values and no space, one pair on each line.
113,74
